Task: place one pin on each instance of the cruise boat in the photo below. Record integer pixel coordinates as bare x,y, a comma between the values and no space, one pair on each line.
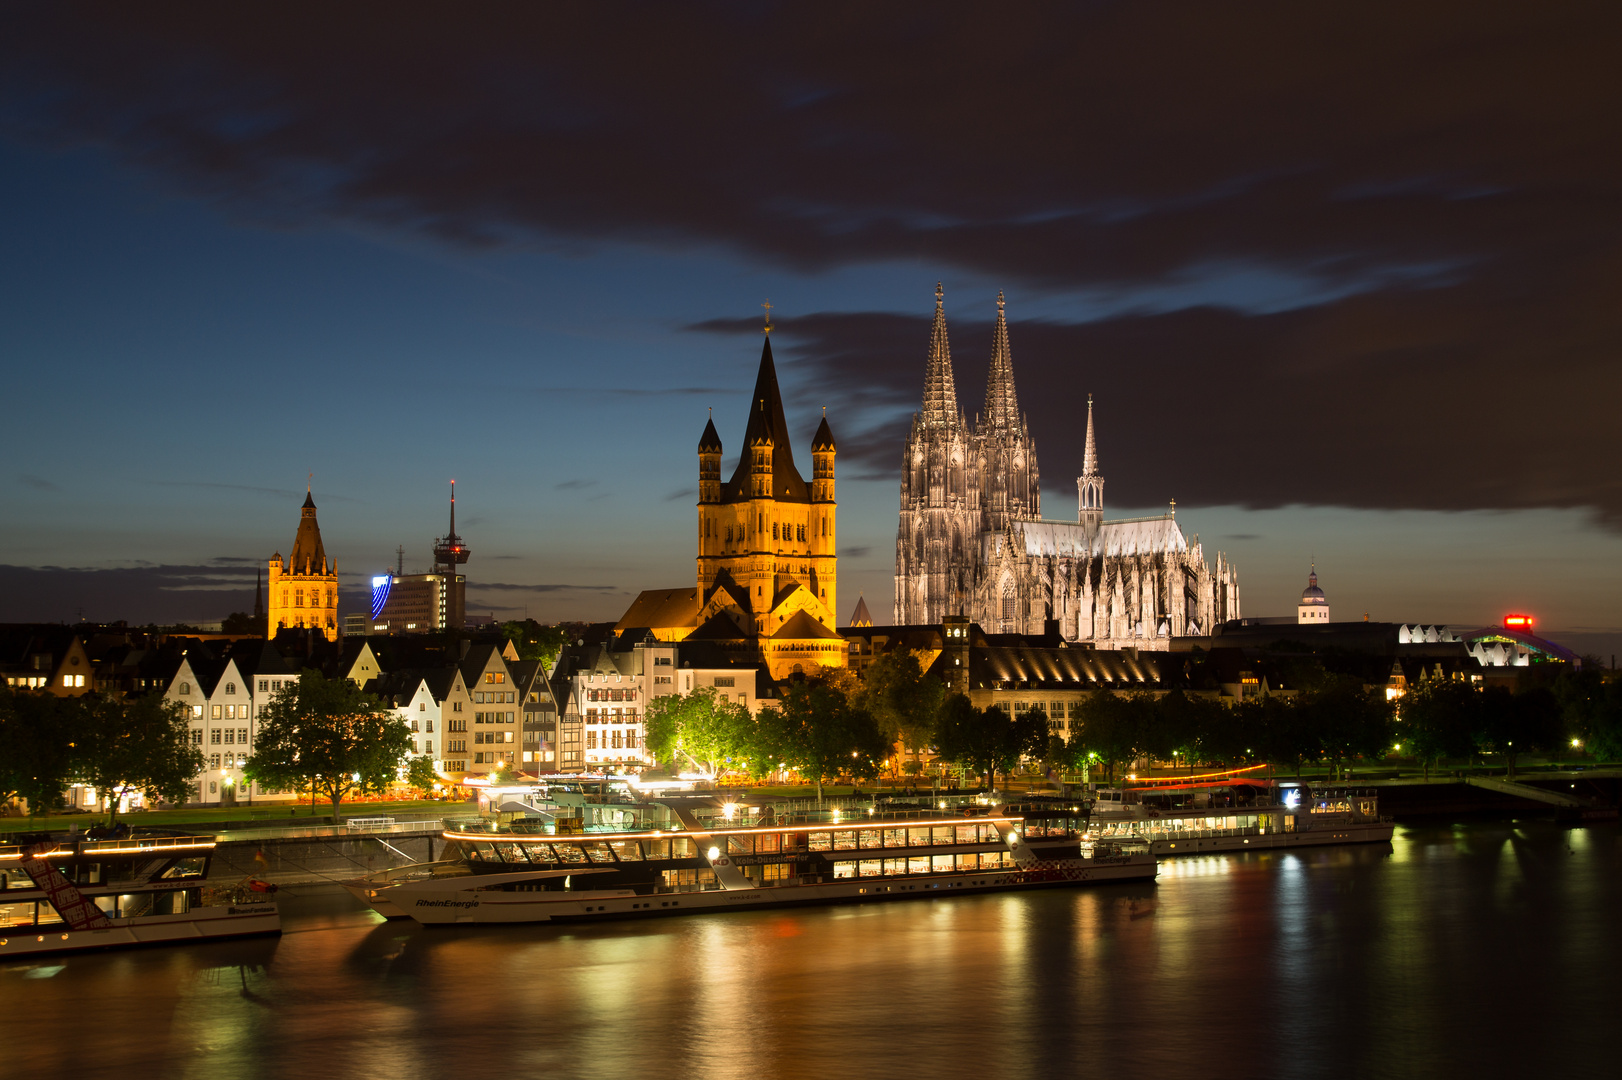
711,855
67,893
1228,812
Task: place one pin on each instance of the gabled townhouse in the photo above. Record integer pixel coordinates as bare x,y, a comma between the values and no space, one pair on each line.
485,672
52,659
449,688
538,716
602,692
411,696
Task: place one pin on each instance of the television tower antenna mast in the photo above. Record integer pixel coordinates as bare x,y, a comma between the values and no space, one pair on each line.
450,551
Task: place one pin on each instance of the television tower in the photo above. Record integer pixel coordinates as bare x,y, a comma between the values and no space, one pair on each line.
450,552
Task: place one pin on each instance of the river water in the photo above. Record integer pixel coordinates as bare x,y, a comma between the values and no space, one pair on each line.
1486,948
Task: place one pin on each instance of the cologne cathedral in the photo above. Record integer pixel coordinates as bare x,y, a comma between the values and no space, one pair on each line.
972,540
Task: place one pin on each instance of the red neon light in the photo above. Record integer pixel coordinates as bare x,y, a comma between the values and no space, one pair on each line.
1517,622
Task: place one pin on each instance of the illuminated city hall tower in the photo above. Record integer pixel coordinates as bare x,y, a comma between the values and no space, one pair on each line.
304,592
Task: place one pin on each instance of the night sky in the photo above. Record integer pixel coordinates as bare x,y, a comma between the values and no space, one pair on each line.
1345,281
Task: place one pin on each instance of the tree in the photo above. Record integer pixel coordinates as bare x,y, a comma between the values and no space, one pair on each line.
905,700
1512,724
135,744
1438,718
240,622
1349,719
1278,729
1023,736
1108,730
330,735
534,641
37,736
819,734
1591,707
703,727
420,774
988,740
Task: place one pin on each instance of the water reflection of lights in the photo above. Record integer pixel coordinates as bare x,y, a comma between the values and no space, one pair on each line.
1196,867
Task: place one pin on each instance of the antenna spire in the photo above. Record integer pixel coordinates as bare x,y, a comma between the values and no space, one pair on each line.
768,306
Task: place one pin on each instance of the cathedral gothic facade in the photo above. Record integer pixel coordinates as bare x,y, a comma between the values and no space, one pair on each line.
972,541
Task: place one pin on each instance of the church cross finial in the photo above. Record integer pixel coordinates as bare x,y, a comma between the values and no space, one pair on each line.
999,300
768,306
940,294
309,485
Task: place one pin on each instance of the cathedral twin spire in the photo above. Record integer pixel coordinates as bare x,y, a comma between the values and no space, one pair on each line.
1002,403
940,390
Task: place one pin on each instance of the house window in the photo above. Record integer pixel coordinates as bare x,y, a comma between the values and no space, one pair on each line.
214,737
197,738
429,726
264,686
230,737
230,688
213,763
724,680
428,748
217,711
422,706
242,736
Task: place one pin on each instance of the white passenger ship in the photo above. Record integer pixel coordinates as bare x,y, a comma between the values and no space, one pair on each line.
711,855
1227,812
64,894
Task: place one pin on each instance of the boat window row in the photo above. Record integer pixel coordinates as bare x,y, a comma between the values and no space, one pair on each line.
1176,828
118,906
925,864
684,847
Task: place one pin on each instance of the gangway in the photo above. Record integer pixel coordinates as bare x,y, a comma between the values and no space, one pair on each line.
1527,791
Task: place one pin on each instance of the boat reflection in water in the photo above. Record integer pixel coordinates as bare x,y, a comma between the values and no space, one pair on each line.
704,853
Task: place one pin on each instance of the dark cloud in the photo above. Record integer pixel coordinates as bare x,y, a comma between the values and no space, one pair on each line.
855,552
38,483
575,485
1103,143
138,594
499,586
682,493
1243,536
1412,218
1359,402
621,391
280,493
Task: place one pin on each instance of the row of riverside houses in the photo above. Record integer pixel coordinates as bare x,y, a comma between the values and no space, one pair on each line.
472,705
